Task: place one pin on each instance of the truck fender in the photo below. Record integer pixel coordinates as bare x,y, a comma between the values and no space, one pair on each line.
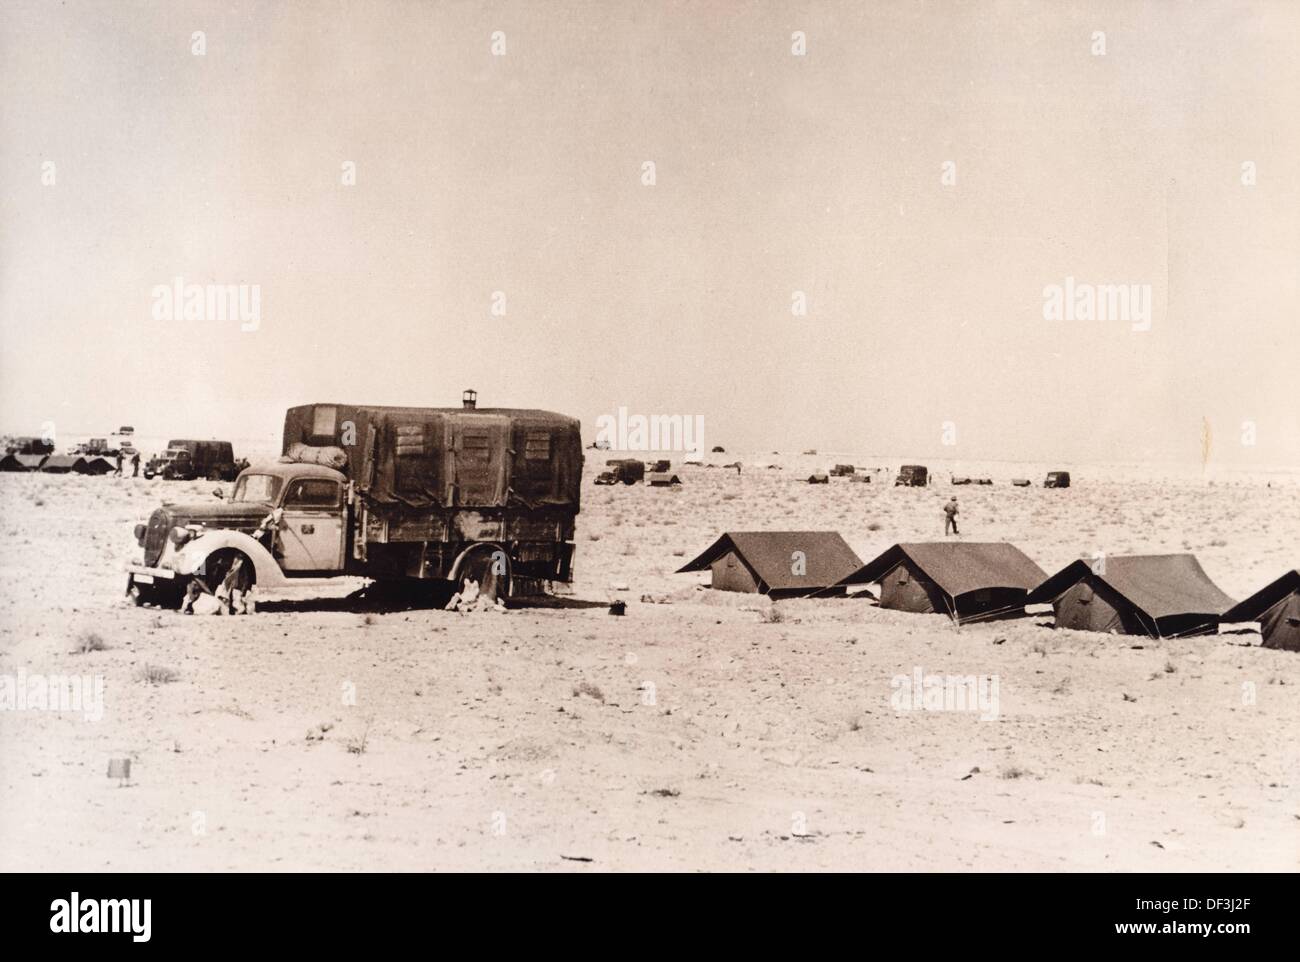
482,546
192,555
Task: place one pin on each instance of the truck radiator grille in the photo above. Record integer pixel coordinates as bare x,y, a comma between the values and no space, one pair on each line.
155,536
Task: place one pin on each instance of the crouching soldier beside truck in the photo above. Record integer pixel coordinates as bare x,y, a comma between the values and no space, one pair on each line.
234,593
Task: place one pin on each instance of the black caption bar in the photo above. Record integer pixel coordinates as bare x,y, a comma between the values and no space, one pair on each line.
336,912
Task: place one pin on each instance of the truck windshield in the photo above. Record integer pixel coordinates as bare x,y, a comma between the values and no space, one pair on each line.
256,487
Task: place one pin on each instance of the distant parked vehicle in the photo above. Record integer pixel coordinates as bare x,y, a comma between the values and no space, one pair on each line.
154,466
660,474
186,460
624,470
913,476
842,470
30,446
819,479
1057,479
1021,482
96,447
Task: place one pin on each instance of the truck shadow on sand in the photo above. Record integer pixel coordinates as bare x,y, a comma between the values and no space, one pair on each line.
382,598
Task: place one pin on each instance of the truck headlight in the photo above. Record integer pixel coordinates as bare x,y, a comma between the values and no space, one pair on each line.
180,535
139,534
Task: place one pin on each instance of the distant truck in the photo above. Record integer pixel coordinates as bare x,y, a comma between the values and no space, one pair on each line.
842,471
660,474
96,447
432,496
622,470
913,476
186,460
1057,479
29,446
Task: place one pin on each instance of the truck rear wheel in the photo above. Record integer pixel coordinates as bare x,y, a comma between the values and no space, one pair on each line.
491,570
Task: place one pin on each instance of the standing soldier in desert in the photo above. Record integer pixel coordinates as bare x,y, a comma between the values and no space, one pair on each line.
135,465
118,472
950,516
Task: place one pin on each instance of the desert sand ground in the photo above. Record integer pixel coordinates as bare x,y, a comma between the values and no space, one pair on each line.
707,733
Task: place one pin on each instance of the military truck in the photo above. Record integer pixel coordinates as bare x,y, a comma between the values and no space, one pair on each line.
429,497
186,459
29,446
96,447
660,474
622,470
1057,479
912,476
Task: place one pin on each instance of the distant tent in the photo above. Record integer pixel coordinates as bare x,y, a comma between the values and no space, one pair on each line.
968,581
64,463
98,466
1157,595
21,462
783,564
1277,609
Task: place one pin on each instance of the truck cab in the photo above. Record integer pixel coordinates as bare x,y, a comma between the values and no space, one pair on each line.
282,521
312,529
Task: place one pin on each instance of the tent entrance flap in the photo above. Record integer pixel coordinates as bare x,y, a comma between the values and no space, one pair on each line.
1280,625
478,460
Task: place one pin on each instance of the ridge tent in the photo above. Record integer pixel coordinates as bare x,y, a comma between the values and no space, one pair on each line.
1157,595
21,462
782,564
64,464
1277,609
97,465
968,581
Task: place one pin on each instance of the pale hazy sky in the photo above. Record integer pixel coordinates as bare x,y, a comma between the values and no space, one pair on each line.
775,173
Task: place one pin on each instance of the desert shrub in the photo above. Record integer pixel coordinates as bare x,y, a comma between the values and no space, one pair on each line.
588,689
156,675
89,641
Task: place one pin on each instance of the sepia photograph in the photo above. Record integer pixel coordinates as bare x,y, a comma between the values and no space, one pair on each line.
650,436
